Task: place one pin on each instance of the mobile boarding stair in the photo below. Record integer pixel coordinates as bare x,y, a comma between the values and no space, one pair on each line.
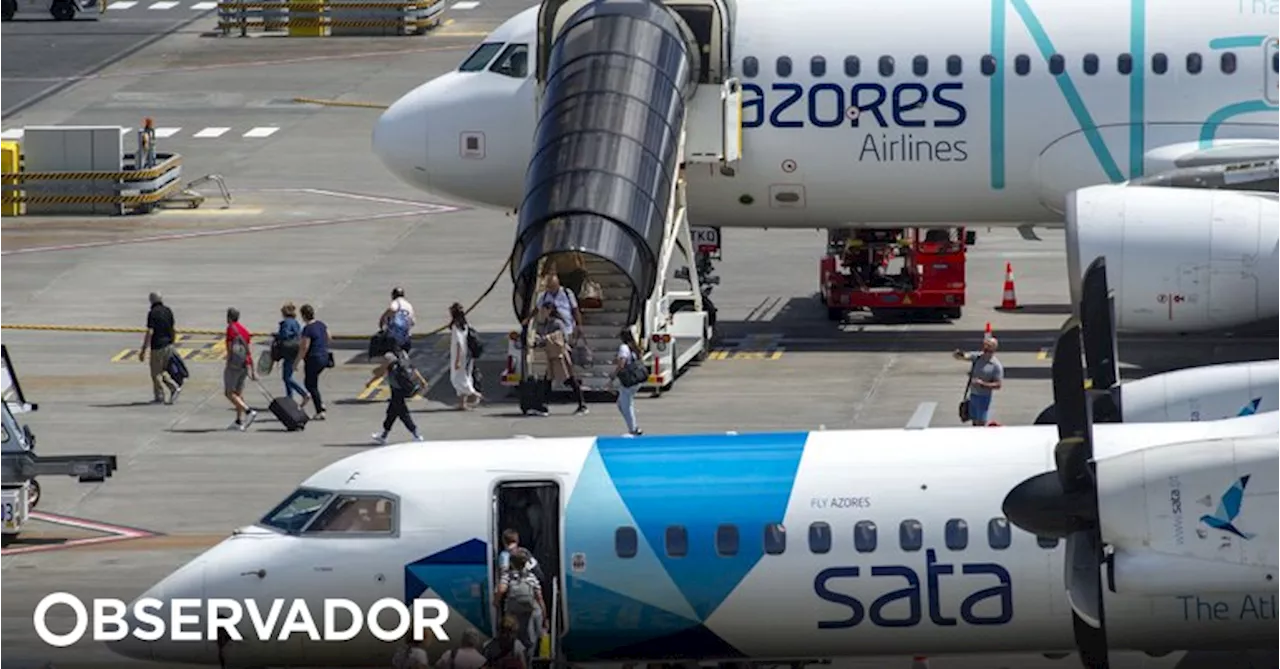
631,93
19,464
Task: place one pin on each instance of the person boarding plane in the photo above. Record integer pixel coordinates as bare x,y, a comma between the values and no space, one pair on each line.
1147,126
794,545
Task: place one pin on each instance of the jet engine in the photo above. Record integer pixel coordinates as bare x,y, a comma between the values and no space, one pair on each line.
1181,259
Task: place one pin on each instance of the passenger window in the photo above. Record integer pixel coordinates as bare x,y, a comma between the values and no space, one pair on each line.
1159,63
783,66
852,66
677,541
1047,542
998,535
625,542
1090,64
957,534
953,65
920,66
1227,63
775,539
750,67
1022,65
727,540
1193,63
480,57
1124,63
355,514
818,66
514,62
909,535
886,66
988,65
819,538
296,510
864,536
1057,64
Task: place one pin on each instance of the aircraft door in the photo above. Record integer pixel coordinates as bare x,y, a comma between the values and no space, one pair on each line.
1271,85
533,509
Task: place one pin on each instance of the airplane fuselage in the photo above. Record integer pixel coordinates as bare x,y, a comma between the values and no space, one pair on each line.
822,544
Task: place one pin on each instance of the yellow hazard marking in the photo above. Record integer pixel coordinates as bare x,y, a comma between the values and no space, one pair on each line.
754,347
374,391
1044,354
39,327
197,350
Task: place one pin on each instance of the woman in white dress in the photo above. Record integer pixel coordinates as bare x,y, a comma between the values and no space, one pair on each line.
461,366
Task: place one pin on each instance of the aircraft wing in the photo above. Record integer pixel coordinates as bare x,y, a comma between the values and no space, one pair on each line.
12,390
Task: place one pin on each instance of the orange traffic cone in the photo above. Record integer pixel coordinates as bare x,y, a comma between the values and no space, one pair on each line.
1008,301
986,334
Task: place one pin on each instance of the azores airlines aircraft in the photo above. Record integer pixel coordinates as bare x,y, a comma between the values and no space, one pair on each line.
1150,537
1149,126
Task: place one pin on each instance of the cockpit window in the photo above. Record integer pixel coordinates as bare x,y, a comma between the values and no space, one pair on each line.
480,57
296,511
514,62
355,513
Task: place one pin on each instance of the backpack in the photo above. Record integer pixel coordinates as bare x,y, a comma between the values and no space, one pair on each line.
238,353
521,599
475,348
401,375
399,324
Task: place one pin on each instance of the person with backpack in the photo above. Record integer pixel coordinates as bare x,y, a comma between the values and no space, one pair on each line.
398,321
239,367
405,381
628,370
520,595
505,651
466,656
464,349
286,344
411,655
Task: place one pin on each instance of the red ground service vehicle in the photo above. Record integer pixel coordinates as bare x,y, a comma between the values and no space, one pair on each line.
894,272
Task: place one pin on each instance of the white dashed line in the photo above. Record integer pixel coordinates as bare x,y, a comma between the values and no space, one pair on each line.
265,131
162,133
465,4
166,4
202,6
12,133
211,132
123,4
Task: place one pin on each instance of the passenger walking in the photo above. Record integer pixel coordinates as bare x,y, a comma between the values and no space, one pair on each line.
287,343
159,341
316,356
628,353
398,320
565,304
520,594
461,363
985,377
466,656
505,650
553,340
404,381
239,368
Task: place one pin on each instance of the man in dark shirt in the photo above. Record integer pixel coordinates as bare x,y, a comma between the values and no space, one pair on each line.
159,341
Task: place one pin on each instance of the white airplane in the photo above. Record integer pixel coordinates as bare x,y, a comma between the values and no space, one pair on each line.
1210,392
677,547
822,114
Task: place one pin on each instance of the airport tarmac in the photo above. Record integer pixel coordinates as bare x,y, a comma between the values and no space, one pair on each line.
316,218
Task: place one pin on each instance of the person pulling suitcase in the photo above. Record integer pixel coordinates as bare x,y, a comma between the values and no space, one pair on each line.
287,411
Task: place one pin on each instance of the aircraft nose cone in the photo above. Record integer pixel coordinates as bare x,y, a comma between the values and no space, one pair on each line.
400,140
185,583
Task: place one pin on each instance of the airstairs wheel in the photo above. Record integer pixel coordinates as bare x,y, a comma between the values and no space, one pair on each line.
63,10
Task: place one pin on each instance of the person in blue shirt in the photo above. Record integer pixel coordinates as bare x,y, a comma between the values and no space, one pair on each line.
315,355
288,344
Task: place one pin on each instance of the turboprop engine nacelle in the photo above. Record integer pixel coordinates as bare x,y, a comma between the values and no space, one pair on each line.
1179,259
1198,514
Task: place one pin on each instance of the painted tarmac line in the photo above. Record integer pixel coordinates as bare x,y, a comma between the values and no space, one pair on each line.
466,4
204,6
162,133
70,543
164,4
258,133
438,209
211,133
124,4
86,524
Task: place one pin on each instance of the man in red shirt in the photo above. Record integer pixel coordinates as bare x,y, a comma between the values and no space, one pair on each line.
239,368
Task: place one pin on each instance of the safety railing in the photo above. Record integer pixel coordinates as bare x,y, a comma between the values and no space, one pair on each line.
127,191
322,18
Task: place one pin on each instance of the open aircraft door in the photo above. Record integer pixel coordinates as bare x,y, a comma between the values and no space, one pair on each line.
533,507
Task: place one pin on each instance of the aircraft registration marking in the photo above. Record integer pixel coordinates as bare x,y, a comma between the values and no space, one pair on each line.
752,347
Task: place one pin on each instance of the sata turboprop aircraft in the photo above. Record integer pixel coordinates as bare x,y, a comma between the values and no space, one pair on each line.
678,547
825,114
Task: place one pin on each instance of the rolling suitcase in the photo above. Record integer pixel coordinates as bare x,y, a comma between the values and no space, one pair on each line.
290,415
534,393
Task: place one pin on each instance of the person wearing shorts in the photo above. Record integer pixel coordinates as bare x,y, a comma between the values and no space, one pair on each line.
987,376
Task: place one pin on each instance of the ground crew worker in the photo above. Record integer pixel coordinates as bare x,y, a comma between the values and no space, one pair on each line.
987,375
146,144
159,341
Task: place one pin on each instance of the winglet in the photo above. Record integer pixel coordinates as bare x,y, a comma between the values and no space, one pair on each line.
922,417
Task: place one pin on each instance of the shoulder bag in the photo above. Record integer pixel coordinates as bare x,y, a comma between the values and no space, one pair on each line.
964,401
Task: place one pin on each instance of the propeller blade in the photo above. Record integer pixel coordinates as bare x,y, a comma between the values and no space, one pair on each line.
1091,643
1083,576
1097,322
1074,449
